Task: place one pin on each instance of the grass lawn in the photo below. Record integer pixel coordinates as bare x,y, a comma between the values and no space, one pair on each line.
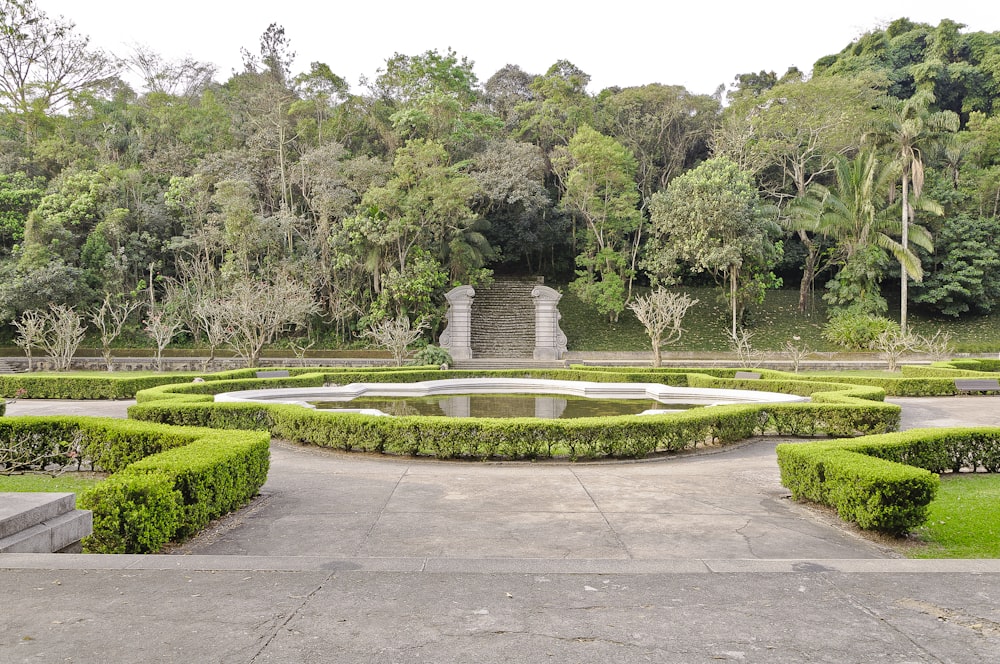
773,323
66,483
964,519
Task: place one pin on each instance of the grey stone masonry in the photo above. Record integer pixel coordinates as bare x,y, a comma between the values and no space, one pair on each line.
503,319
41,522
510,319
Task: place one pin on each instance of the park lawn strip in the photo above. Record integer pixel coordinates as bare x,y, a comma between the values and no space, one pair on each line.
67,483
963,520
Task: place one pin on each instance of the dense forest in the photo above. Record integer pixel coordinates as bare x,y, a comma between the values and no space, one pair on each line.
178,202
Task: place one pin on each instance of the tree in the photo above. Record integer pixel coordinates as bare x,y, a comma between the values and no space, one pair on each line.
710,219
908,129
63,333
110,319
856,213
162,326
666,128
661,313
598,175
512,197
414,218
395,335
256,310
790,136
45,63
31,329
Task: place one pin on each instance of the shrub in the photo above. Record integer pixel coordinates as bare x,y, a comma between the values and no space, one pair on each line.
432,356
168,482
885,482
857,331
133,513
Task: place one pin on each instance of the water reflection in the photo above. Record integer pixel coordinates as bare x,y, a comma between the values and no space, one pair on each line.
504,406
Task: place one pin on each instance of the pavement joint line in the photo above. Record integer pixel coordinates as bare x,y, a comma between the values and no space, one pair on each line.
607,522
443,565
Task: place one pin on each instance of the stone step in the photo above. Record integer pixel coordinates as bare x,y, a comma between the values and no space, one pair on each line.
41,522
501,363
7,368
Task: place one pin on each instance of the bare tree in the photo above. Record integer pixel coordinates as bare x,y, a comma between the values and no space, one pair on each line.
256,311
395,336
740,342
162,326
797,352
45,62
63,332
30,330
661,313
109,319
892,344
214,323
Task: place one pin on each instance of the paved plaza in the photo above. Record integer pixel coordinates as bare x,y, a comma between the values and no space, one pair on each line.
355,558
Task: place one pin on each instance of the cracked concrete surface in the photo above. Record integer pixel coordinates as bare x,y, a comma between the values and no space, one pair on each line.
348,558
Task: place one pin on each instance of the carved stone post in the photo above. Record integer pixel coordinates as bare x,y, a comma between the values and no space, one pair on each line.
457,335
550,341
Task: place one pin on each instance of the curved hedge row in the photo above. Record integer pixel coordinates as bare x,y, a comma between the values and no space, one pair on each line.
63,386
167,482
885,482
837,410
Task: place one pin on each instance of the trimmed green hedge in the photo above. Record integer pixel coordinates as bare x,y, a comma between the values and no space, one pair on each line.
838,410
168,482
885,482
43,386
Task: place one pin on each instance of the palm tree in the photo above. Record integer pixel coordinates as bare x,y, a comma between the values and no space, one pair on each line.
905,131
857,213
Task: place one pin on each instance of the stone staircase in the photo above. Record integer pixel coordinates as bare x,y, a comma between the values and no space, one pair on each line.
8,368
503,319
42,523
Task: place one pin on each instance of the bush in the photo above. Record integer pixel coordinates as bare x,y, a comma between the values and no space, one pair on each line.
133,513
432,356
837,410
885,482
168,482
857,331
41,386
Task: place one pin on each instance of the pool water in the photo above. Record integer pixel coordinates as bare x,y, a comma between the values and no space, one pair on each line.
504,406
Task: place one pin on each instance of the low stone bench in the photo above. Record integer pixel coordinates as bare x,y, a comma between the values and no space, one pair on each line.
977,385
747,375
279,373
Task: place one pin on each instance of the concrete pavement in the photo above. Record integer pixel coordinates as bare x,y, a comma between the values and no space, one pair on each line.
348,558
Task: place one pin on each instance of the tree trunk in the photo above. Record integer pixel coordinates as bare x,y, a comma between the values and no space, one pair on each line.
732,295
808,271
903,286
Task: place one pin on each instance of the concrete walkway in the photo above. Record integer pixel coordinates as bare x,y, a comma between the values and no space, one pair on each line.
349,558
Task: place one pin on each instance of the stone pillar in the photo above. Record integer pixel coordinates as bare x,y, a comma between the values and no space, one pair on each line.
550,341
457,335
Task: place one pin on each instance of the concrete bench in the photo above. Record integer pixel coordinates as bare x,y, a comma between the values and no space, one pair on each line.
747,375
977,385
279,373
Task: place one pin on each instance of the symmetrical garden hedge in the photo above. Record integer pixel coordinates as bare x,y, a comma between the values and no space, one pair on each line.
167,482
885,482
85,386
839,410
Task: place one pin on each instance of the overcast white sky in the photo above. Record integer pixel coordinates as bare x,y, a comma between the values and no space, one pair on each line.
697,44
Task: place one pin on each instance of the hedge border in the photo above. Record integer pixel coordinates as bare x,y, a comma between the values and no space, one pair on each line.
885,482
166,483
837,409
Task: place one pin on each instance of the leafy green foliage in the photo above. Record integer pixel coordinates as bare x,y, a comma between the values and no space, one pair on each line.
856,331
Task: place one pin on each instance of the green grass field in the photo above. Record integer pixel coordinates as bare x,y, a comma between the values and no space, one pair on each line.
67,483
773,323
964,519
